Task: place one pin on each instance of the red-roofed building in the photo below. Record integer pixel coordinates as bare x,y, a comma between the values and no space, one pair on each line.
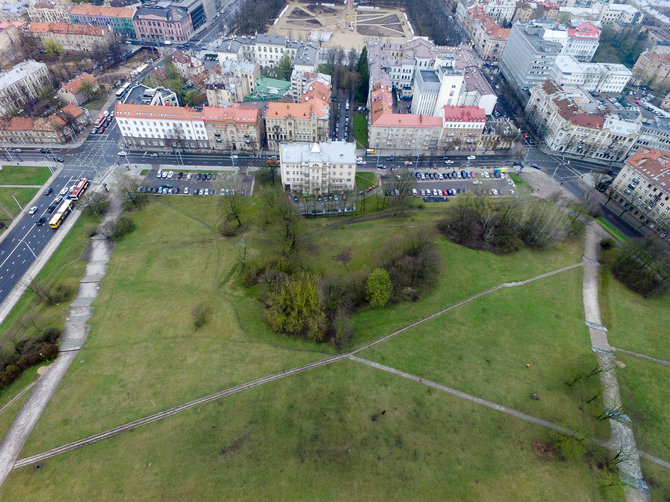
120,19
488,39
643,187
405,133
41,130
462,127
76,116
289,122
234,127
71,92
73,37
569,120
582,41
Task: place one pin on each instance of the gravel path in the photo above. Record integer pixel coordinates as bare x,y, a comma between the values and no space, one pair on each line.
623,440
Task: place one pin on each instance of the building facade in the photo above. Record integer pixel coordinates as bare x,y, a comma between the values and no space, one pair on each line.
21,85
405,134
41,130
593,77
643,186
301,122
117,19
653,70
158,24
73,37
11,43
488,39
234,127
146,126
462,127
318,168
71,92
48,12
569,121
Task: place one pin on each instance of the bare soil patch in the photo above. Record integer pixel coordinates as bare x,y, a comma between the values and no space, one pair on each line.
544,450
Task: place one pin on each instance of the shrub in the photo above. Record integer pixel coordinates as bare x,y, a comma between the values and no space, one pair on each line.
379,287
343,327
95,203
297,307
121,227
607,243
200,313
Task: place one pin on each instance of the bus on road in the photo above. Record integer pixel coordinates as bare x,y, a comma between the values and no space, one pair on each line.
100,121
122,92
62,212
79,189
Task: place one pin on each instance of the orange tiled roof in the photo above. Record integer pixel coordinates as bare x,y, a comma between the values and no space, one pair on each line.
296,110
72,110
234,112
21,124
407,120
464,114
74,85
654,164
102,11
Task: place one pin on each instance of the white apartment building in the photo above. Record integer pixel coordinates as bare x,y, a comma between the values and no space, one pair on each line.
435,89
318,168
20,85
582,42
620,15
593,77
569,121
161,126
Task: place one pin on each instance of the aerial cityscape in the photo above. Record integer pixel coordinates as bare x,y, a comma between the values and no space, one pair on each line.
353,250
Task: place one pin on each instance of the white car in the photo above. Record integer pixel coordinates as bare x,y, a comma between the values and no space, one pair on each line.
164,174
122,153
448,161
361,162
414,192
471,157
159,173
189,176
64,191
33,210
185,190
170,175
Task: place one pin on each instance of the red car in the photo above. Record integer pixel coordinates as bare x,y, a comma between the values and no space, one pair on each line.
101,129
445,193
525,135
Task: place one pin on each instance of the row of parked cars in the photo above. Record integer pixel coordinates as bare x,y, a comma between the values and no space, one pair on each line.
437,192
453,175
189,176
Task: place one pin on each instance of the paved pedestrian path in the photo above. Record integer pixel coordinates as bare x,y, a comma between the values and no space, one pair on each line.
623,440
642,356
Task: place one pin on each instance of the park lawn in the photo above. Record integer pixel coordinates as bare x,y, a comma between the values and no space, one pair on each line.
646,400
97,104
23,196
658,480
142,354
321,435
616,233
633,322
24,175
521,186
464,271
361,129
483,347
364,180
8,393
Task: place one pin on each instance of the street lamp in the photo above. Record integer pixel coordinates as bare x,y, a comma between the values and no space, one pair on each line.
17,202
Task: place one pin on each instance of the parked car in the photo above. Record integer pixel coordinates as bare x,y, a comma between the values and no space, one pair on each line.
185,190
44,150
159,173
471,157
195,191
189,176
448,161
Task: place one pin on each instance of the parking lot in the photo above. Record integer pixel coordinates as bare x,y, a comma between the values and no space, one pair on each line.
168,182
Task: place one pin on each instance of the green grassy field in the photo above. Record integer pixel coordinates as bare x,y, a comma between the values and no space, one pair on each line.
8,393
634,322
657,479
364,180
23,195
321,435
24,175
644,394
616,233
361,129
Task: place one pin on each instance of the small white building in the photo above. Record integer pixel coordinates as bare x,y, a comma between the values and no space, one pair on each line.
593,77
318,168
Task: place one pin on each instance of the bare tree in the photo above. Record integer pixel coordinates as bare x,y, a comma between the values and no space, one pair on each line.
232,200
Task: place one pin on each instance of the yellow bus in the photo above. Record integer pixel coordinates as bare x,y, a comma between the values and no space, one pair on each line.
62,212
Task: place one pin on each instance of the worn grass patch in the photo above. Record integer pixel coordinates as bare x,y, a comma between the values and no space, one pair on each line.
22,195
361,129
633,322
364,180
615,232
345,431
483,348
644,395
24,175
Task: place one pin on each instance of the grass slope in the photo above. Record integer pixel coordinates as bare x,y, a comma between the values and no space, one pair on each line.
24,175
320,436
23,195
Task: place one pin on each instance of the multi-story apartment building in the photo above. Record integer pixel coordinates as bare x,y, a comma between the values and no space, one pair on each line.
306,84
146,126
71,91
40,130
73,37
118,19
477,91
593,77
234,127
488,39
13,11
318,168
21,85
500,11
619,15
158,24
52,11
186,65
569,120
653,69
462,127
405,133
654,134
289,122
236,81
532,47
643,186
435,89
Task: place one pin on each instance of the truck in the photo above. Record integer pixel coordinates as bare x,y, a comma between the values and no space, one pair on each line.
369,152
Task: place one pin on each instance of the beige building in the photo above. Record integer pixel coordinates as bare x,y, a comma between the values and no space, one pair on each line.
21,84
40,130
73,37
71,92
405,133
186,65
10,45
569,120
665,104
643,187
236,81
653,70
488,39
289,122
52,11
234,127
318,168
462,127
